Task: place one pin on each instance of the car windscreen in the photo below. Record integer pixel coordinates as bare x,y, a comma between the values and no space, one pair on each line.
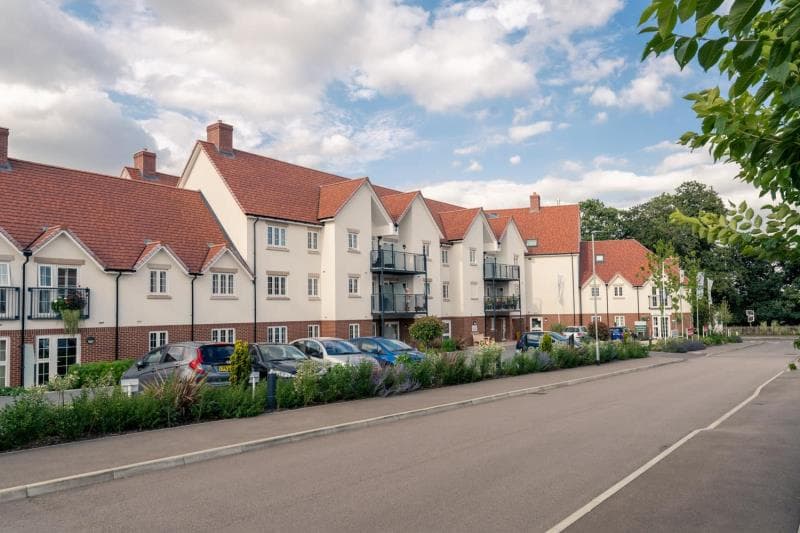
216,353
395,345
274,352
340,348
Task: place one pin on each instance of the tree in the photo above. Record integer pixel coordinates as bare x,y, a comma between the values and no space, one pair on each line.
605,221
241,364
425,330
756,125
724,313
663,270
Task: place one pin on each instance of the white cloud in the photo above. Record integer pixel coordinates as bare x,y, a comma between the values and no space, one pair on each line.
601,117
603,96
515,160
602,161
664,146
474,166
518,134
649,90
466,150
571,166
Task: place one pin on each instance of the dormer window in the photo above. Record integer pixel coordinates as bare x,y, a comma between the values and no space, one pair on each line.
599,258
532,243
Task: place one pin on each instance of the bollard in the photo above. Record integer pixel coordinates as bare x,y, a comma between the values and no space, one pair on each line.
272,383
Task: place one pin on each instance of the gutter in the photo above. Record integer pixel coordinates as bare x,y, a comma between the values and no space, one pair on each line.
27,253
116,307
255,285
191,311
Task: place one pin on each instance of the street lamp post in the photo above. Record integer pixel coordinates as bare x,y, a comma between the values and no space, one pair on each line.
594,298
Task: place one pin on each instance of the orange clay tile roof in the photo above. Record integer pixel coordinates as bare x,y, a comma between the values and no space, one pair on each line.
214,252
333,196
456,223
111,216
557,228
159,177
624,257
499,225
436,208
271,188
397,204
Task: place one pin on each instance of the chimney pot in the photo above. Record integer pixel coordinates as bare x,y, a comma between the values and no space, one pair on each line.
221,135
4,148
145,161
535,203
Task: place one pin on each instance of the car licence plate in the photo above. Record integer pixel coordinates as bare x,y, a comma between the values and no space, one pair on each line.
224,368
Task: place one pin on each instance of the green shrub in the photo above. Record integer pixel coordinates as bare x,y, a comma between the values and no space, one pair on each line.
792,366
566,357
525,362
449,345
306,382
558,327
425,330
30,418
229,402
99,374
487,360
11,391
546,345
602,331
241,364
285,394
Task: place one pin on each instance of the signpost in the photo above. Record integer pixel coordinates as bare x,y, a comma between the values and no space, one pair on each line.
751,316
130,386
640,328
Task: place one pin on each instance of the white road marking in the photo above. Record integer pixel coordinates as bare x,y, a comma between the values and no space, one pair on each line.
586,509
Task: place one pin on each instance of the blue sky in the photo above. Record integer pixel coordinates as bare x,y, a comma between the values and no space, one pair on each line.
478,102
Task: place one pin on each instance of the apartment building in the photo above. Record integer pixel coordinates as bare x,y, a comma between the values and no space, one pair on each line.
242,246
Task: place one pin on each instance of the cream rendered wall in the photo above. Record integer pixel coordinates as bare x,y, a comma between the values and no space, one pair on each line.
415,228
541,279
298,262
90,275
469,274
9,254
445,275
211,309
203,177
512,245
139,308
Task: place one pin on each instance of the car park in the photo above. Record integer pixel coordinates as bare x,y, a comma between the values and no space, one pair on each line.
279,359
386,351
533,339
196,360
332,351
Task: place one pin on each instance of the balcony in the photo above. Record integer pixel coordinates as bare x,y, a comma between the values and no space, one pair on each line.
501,304
500,272
393,262
399,304
9,303
42,299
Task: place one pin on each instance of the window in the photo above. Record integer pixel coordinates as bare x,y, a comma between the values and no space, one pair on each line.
532,243
221,284
473,256
473,290
313,240
619,320
446,329
595,292
352,286
352,240
223,335
158,282
426,249
428,288
276,236
596,318
354,330
313,286
599,258
158,339
277,334
516,259
313,330
5,275
445,256
276,285
5,367
617,290
54,355
445,290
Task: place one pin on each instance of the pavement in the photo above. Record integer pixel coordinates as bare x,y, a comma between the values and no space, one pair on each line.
520,464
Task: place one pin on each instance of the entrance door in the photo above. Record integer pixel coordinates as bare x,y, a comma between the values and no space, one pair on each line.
54,355
502,328
392,330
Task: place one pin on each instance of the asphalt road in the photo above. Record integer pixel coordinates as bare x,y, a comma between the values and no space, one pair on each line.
522,464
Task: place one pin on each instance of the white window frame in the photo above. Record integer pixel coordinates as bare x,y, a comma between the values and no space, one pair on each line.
276,236
312,286
313,330
447,329
5,361
5,274
537,319
619,320
277,285
158,281
445,290
51,360
312,241
600,258
277,334
473,256
428,288
352,240
618,293
157,336
226,335
354,330
595,293
222,284
445,256
426,249
473,290
353,286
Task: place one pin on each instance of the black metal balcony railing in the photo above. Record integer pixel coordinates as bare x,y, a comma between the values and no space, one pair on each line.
42,298
501,303
9,303
500,271
399,304
397,262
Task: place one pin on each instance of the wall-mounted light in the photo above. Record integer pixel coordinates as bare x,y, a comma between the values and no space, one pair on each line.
89,340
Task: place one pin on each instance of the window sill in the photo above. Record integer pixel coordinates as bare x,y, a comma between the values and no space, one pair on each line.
314,298
445,264
277,297
445,299
224,297
278,248
354,296
315,252
353,251
159,297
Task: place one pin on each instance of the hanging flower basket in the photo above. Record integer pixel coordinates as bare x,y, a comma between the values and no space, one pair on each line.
70,307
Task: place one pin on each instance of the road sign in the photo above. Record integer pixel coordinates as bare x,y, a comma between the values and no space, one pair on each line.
751,315
640,327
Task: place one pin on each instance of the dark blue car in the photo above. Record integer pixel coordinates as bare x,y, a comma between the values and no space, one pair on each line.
386,350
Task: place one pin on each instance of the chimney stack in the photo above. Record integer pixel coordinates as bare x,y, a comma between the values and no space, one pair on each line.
145,161
4,148
535,203
221,135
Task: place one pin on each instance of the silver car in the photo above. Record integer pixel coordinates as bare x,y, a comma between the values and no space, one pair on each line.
333,351
185,360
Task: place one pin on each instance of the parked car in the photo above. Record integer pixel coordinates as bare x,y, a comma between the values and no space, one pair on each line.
577,331
332,350
617,333
386,350
185,360
280,359
532,339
